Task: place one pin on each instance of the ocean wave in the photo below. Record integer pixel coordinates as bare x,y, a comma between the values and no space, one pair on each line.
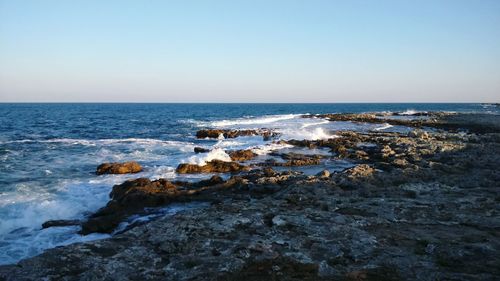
214,154
304,134
315,124
89,142
383,127
410,112
267,119
268,148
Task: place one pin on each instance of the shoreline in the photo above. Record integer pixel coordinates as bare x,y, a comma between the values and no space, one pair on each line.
415,198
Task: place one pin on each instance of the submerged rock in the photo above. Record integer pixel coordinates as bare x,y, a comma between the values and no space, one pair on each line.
214,166
59,223
119,168
200,150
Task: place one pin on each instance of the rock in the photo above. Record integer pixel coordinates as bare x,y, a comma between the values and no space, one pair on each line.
133,196
269,172
119,168
323,174
214,166
360,171
198,149
419,134
58,223
242,155
295,159
216,133
387,151
354,177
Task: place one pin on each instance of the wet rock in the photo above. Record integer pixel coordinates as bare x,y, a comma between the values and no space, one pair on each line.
214,166
208,182
59,223
198,149
323,174
119,168
295,159
133,196
216,133
242,155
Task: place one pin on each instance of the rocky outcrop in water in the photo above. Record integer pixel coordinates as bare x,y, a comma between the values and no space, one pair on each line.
241,155
119,168
214,166
228,134
201,150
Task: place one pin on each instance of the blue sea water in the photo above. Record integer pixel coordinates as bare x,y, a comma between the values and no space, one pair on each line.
49,152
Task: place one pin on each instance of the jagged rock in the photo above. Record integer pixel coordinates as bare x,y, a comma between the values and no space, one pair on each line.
360,171
214,166
119,168
198,149
133,195
242,155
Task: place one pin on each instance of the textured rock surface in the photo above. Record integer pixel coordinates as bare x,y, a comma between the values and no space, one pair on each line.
414,207
119,168
228,134
214,166
242,155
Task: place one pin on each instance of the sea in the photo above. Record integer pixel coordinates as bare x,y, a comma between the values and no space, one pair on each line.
49,153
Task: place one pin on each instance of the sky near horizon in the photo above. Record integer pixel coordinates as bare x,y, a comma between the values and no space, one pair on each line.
250,51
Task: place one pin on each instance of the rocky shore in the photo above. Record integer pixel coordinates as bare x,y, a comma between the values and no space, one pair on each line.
423,205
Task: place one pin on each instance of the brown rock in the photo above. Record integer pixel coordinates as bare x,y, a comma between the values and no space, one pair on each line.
119,168
214,166
242,155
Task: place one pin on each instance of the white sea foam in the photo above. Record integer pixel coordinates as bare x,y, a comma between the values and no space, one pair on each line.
383,127
315,124
253,121
214,154
270,147
89,142
410,112
318,133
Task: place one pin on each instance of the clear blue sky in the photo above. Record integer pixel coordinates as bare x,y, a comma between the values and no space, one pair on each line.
250,51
